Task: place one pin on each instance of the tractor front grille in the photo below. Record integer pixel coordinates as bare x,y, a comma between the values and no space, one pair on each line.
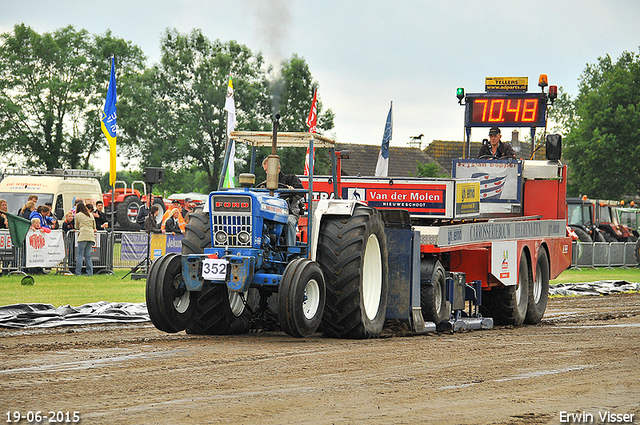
231,226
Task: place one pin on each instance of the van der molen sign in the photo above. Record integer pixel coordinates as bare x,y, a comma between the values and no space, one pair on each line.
497,231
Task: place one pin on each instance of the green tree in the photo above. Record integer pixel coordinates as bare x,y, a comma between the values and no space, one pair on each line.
602,144
182,100
52,87
430,169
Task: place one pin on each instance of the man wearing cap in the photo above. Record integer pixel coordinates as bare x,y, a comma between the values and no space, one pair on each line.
496,149
187,209
169,212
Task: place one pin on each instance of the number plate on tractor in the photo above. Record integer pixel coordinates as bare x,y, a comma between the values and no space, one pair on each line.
214,269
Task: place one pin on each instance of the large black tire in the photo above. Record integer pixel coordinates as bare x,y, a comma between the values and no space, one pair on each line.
301,298
218,311
599,236
352,251
127,211
637,251
508,304
171,307
433,299
583,236
161,209
538,290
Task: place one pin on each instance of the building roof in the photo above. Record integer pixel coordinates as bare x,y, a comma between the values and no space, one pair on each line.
444,151
364,158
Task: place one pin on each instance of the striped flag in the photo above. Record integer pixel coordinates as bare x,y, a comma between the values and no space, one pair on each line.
312,123
230,107
382,167
108,121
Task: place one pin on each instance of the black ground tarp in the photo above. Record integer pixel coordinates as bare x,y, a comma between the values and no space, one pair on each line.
47,316
602,287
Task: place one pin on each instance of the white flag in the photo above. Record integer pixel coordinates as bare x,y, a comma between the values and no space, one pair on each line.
230,107
382,167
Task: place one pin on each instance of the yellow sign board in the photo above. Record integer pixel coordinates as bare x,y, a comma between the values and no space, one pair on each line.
467,198
519,84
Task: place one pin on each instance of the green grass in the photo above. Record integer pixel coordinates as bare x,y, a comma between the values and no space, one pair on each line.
590,275
75,291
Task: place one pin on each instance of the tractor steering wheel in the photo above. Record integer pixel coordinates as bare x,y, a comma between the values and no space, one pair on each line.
263,185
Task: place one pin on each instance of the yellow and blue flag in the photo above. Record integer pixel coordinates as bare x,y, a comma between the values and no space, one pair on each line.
108,121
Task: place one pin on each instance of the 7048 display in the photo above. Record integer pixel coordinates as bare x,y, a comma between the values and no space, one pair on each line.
506,109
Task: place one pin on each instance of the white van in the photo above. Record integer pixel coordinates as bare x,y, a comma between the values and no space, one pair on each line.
59,187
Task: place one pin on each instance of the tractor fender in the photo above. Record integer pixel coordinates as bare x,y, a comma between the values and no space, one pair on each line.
327,207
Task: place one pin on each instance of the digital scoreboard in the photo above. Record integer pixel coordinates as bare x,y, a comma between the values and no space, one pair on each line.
505,110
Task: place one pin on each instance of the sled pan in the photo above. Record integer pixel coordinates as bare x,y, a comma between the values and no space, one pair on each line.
289,140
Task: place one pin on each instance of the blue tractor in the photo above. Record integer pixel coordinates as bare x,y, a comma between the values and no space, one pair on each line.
235,264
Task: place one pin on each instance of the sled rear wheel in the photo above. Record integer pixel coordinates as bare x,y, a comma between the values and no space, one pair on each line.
538,290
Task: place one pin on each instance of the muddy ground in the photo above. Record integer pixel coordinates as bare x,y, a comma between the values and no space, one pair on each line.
583,359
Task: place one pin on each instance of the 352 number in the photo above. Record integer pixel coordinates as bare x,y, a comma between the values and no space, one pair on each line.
214,268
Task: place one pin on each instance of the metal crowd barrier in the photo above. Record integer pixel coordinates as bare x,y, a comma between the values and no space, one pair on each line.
603,254
105,256
101,255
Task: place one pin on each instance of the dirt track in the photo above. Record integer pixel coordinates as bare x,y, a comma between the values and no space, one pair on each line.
584,357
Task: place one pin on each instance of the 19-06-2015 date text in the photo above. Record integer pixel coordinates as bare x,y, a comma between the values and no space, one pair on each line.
40,417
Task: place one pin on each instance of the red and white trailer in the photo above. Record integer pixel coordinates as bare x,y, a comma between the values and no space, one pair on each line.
495,233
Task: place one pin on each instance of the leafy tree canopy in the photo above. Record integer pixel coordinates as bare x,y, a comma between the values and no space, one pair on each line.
604,129
52,87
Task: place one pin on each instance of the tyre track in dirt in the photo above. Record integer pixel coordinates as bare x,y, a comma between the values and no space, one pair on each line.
582,357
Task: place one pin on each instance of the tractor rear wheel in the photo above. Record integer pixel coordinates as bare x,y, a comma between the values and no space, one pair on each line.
583,236
171,307
218,311
301,298
127,211
538,290
508,304
352,251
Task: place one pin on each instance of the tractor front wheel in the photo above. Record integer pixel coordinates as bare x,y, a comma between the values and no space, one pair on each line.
171,307
301,298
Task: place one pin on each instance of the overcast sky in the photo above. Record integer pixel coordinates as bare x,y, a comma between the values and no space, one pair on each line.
365,54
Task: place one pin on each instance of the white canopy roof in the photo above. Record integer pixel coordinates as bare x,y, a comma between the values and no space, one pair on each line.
292,140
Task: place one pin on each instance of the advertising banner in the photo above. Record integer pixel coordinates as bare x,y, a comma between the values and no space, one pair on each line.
44,249
134,246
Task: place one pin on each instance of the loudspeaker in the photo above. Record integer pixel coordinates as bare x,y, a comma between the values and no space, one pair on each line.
554,147
153,175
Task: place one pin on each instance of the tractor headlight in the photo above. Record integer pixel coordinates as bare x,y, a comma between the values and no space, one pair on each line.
244,237
221,237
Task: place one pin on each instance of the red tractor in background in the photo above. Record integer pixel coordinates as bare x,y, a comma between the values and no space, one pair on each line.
581,219
608,222
128,201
